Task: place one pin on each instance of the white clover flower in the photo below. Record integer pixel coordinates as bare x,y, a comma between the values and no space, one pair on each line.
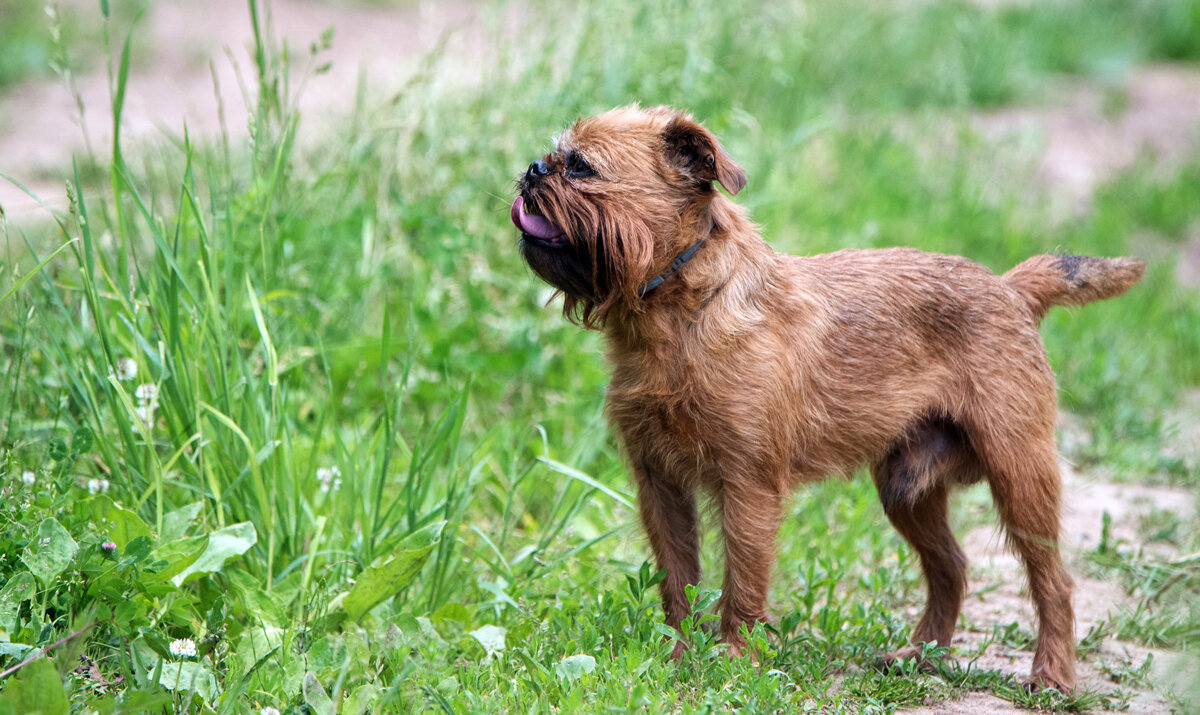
97,486
146,392
330,478
145,413
268,711
183,648
126,369
29,478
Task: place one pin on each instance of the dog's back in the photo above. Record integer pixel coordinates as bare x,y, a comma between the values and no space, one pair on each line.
884,339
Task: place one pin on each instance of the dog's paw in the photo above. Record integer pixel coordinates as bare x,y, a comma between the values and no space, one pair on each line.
1043,680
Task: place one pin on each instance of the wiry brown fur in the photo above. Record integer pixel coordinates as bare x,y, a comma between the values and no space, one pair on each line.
748,371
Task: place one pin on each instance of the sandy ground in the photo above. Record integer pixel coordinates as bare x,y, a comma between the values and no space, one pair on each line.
1086,133
186,53
182,46
1082,135
1001,597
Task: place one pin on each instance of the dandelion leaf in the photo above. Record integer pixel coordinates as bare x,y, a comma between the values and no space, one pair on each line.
176,523
385,578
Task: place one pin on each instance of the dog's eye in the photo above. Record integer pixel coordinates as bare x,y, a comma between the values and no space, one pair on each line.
578,167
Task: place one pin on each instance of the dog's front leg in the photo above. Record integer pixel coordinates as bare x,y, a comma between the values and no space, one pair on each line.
668,512
750,515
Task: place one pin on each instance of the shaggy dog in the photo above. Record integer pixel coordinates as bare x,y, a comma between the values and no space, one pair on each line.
744,372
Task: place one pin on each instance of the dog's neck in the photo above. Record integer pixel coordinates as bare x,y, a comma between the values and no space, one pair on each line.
649,286
732,265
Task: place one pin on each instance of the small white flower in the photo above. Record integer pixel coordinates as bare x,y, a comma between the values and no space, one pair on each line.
97,486
330,478
146,392
145,413
268,711
183,648
126,369
29,478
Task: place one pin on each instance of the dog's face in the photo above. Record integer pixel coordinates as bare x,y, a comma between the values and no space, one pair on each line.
620,197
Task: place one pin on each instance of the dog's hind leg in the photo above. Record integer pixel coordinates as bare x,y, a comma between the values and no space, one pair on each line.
914,482
1027,489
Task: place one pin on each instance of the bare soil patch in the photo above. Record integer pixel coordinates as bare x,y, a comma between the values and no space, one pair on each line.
1087,132
187,54
999,595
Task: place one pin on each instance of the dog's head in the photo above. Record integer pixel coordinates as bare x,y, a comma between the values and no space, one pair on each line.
620,197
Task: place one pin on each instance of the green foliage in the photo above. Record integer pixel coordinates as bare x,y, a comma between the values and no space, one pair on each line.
25,47
382,580
51,551
37,690
363,467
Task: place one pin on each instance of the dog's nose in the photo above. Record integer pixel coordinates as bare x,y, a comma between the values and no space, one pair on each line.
537,170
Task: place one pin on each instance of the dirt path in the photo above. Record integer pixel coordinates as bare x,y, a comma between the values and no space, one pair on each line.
1086,133
178,48
999,595
1083,135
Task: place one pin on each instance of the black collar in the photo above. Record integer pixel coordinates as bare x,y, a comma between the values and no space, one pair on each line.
681,259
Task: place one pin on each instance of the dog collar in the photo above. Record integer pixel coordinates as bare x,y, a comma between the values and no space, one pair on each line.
661,278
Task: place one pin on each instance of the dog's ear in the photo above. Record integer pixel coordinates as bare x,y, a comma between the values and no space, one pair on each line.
694,151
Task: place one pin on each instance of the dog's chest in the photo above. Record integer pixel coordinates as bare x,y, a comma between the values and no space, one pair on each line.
679,415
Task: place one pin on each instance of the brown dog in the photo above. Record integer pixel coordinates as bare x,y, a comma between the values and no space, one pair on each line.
744,372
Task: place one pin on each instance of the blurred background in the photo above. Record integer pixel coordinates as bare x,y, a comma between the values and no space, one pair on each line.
299,238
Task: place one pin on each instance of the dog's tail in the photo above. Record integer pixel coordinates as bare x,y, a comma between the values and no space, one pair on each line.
1044,281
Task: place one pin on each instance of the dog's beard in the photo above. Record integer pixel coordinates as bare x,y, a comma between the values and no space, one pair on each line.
570,268
562,253
595,255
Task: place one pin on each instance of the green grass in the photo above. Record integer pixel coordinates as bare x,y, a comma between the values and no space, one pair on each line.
25,46
43,39
362,306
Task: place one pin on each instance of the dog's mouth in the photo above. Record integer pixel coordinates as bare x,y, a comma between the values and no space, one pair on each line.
535,226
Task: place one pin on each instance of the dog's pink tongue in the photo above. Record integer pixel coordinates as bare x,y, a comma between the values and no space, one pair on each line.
532,225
